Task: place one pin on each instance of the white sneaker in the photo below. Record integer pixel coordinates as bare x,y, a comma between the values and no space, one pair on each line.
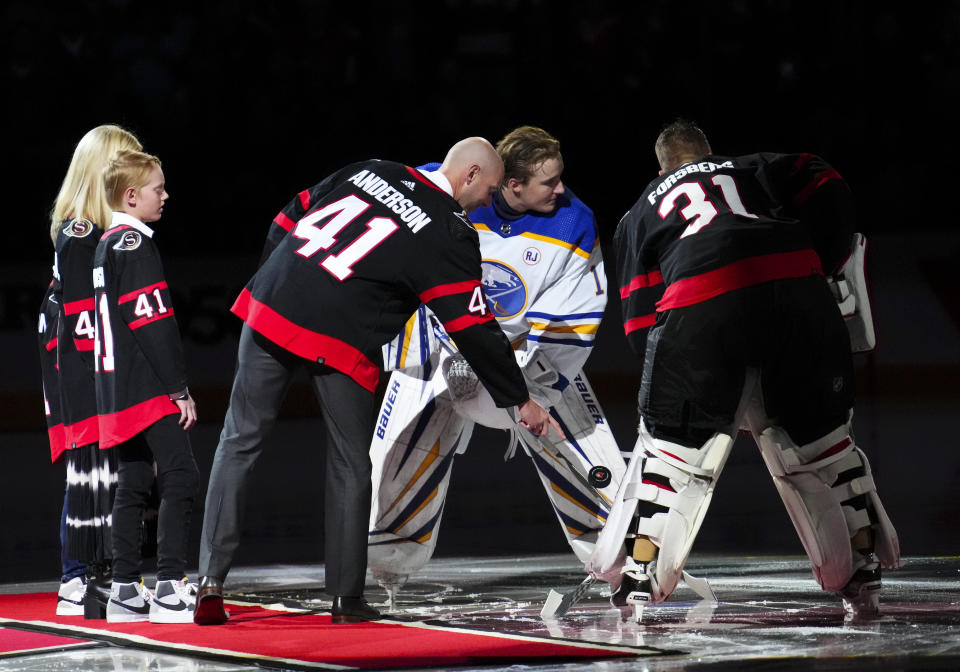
70,597
129,602
173,602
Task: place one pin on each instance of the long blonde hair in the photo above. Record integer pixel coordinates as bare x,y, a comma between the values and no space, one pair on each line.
82,194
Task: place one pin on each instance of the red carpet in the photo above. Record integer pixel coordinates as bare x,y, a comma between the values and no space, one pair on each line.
18,641
254,633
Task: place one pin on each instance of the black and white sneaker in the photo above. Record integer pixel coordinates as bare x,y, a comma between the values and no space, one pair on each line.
173,602
70,597
129,602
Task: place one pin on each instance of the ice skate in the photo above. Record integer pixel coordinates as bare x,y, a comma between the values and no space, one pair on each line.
861,595
390,582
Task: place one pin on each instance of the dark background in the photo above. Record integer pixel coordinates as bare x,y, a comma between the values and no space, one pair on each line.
248,102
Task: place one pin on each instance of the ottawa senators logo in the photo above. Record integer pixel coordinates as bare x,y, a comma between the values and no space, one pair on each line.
78,228
129,241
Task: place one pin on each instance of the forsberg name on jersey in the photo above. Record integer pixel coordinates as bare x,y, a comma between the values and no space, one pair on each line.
411,213
683,171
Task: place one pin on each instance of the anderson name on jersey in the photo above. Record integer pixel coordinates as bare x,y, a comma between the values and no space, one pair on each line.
348,261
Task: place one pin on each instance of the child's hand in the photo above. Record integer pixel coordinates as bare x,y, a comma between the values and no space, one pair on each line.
188,412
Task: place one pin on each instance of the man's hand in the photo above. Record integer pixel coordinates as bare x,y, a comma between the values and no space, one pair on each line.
536,419
188,412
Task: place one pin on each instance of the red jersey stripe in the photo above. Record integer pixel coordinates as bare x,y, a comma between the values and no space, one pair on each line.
56,436
74,307
307,344
130,296
284,222
81,433
801,161
115,428
143,321
83,344
818,181
641,281
447,290
304,198
466,321
743,273
641,322
51,345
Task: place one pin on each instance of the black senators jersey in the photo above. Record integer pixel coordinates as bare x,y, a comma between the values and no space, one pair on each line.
348,261
67,338
721,224
138,354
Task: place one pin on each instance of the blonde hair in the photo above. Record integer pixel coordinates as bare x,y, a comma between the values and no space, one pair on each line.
81,194
128,169
524,149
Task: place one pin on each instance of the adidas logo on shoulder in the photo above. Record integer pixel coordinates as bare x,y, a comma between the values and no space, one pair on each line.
409,184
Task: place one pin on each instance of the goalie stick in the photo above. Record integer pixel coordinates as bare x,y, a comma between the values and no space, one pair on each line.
558,604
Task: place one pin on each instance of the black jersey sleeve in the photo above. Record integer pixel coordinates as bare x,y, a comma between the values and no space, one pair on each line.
146,307
813,192
639,278
450,285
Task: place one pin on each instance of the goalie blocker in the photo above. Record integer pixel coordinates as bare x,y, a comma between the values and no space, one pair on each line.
849,287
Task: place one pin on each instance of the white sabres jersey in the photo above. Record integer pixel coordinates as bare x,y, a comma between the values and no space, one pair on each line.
544,281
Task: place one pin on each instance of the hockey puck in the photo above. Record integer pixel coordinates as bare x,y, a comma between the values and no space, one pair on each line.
599,476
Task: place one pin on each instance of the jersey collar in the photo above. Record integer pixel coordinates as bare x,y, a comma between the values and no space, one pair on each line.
122,218
438,179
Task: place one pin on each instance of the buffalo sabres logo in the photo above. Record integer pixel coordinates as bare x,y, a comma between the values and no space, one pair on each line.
505,289
78,228
129,241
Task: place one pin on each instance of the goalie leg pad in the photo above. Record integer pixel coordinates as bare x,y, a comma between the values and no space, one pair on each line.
829,492
673,486
690,476
412,461
564,466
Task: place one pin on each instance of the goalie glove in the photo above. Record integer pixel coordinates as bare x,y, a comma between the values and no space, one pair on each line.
849,287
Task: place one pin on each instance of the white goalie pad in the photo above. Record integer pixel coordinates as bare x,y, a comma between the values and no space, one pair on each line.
849,287
692,474
807,479
417,434
564,465
416,350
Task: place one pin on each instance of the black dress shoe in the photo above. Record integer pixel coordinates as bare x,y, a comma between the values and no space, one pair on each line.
209,609
352,610
98,591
